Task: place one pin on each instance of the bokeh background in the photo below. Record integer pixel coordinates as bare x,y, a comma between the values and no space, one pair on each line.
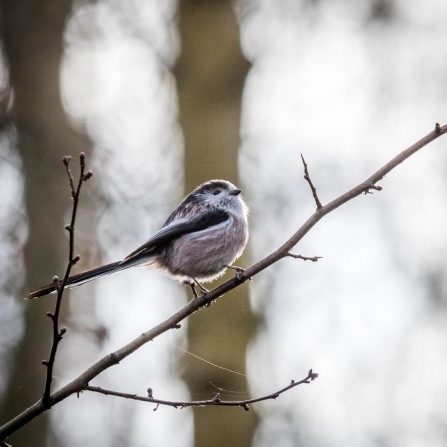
165,95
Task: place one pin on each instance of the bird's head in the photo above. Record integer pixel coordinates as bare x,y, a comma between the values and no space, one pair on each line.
220,194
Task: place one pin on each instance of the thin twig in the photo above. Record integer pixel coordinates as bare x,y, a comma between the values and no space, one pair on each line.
60,286
114,358
312,187
215,401
304,258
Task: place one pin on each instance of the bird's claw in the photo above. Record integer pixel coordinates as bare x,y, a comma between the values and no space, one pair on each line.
202,289
239,271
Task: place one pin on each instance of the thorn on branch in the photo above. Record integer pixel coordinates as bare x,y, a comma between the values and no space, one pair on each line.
312,187
149,393
437,128
177,326
245,407
75,260
156,408
216,398
304,258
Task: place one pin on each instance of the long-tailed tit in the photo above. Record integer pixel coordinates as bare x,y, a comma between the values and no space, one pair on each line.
199,241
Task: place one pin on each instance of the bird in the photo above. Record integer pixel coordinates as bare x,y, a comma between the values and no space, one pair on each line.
201,239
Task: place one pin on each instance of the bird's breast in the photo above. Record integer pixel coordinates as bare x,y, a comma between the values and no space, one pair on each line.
204,254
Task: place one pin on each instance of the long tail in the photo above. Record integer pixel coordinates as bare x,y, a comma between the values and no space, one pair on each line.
83,277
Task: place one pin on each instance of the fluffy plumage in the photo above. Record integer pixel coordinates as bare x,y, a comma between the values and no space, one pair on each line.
205,234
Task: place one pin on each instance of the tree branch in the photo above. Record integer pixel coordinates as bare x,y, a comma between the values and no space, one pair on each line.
81,382
304,258
312,187
216,401
60,286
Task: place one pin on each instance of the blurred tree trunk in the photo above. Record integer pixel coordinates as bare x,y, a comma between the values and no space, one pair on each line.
32,34
210,77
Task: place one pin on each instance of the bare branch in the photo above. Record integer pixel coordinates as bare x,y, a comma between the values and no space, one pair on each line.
60,286
215,401
81,382
304,258
312,187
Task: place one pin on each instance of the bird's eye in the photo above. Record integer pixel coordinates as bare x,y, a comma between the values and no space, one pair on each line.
216,192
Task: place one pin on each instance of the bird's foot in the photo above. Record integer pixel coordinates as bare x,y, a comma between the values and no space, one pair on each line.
191,284
203,289
239,271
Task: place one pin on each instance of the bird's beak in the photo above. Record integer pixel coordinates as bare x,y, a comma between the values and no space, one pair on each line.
235,192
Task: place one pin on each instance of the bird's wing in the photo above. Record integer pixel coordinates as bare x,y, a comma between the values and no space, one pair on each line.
175,229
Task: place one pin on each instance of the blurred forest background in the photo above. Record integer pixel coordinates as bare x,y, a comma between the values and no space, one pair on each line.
163,95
